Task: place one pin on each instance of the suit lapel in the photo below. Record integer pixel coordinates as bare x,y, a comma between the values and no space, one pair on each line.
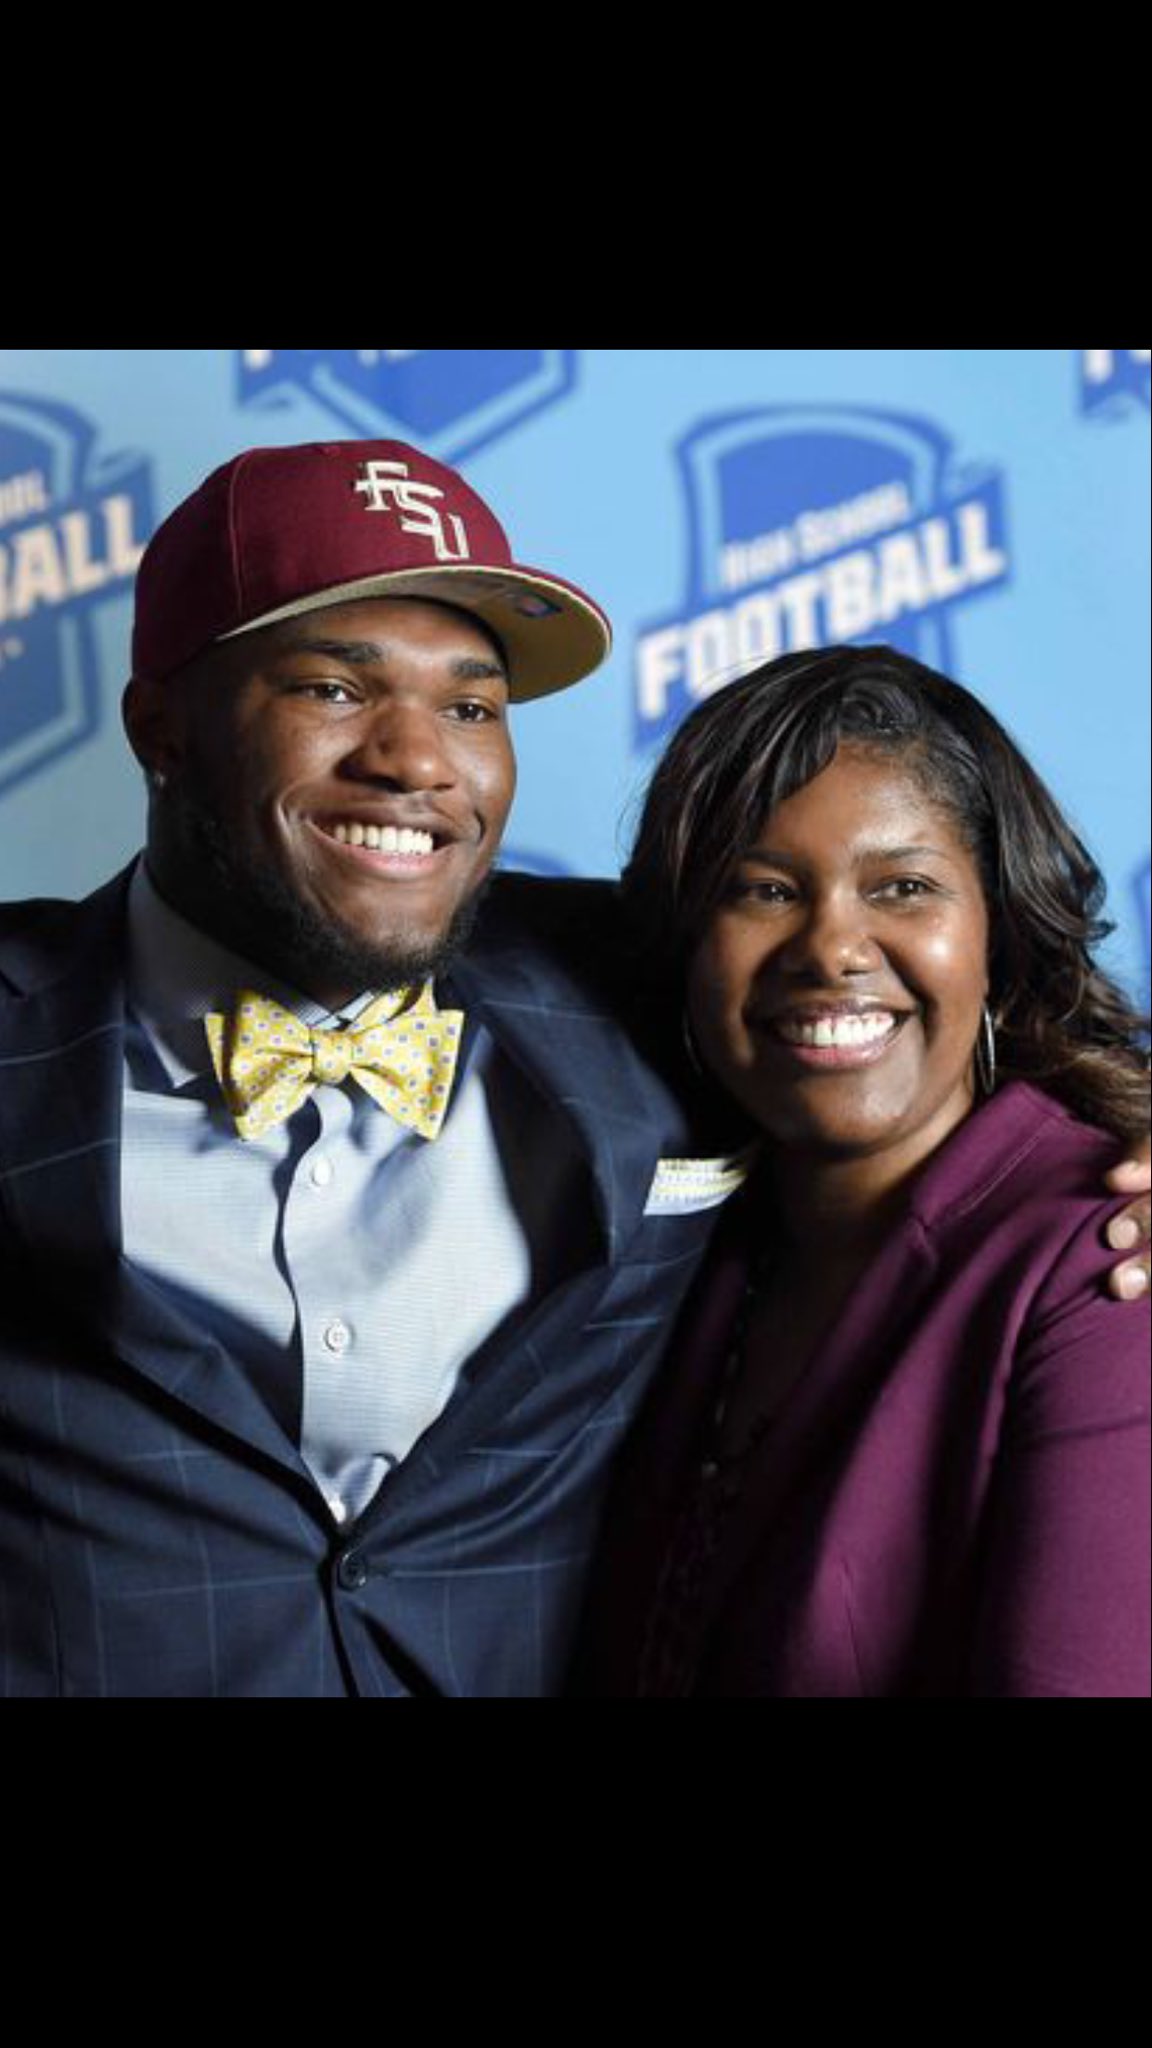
575,1052
574,1049
61,1111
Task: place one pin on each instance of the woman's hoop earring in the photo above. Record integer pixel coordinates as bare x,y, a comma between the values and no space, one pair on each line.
987,1061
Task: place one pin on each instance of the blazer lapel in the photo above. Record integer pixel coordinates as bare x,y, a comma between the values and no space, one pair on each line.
626,1119
875,1323
575,1050
825,1408
61,1113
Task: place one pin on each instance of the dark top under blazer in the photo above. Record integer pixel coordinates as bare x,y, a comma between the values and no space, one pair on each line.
956,1500
159,1534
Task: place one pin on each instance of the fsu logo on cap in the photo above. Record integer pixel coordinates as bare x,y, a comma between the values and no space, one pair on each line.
389,487
453,401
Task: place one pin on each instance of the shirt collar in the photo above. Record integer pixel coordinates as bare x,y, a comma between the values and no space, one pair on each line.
178,975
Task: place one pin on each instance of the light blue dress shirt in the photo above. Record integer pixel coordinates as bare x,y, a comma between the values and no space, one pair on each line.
351,1267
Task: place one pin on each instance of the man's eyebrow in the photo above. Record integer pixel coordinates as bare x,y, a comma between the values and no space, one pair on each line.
367,654
473,670
357,653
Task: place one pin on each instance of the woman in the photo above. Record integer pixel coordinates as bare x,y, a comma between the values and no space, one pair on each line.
901,1447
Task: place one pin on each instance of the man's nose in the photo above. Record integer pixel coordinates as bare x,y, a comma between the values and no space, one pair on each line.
405,746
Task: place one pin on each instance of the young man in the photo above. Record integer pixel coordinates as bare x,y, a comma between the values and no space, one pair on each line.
340,1230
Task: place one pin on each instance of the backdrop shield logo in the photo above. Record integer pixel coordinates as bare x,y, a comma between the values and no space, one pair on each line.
813,526
451,400
1115,380
73,524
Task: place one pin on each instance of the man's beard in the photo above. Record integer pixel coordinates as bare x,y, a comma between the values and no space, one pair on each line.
261,915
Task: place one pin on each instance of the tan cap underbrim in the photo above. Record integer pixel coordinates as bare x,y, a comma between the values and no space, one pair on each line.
568,639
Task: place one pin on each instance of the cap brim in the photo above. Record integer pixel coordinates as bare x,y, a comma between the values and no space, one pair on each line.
553,634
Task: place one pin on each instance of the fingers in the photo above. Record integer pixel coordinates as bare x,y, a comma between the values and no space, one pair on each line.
1131,1282
1135,1176
1132,1228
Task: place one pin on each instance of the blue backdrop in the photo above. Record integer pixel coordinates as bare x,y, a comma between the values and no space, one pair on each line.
985,508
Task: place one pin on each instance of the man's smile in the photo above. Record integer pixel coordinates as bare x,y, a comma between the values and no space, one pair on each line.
387,851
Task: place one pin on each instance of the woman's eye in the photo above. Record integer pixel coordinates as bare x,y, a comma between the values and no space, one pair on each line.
763,892
904,889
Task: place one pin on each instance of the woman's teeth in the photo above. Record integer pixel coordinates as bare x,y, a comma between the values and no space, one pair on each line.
828,1033
383,839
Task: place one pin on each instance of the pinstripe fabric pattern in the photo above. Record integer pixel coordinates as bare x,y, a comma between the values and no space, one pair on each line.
160,1532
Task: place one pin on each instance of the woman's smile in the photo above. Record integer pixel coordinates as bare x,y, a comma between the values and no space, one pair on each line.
834,1040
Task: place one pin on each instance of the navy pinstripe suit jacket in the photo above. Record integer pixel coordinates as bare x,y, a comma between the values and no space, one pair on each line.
159,1534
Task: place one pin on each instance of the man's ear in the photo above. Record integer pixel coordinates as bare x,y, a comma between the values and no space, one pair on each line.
150,713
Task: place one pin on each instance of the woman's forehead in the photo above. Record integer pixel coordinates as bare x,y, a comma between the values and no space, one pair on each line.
864,793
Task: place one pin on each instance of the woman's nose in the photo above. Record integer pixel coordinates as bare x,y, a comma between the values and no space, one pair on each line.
834,939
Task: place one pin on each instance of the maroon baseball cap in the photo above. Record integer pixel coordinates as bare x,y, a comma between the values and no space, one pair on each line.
279,532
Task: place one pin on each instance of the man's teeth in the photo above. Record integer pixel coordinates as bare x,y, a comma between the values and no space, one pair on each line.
384,839
827,1033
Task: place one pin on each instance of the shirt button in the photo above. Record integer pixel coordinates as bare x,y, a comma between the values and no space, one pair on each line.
352,1572
323,1173
337,1338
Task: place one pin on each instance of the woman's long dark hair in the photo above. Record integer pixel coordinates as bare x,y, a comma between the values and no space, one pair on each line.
1060,1021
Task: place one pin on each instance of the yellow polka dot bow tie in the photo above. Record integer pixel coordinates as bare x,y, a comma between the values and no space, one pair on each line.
268,1063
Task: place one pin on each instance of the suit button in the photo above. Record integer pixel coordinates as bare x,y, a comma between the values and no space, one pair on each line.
352,1572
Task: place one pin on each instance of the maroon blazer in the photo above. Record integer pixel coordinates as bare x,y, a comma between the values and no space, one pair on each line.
955,1501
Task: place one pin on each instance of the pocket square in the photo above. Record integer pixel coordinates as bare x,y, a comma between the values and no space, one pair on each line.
686,1187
